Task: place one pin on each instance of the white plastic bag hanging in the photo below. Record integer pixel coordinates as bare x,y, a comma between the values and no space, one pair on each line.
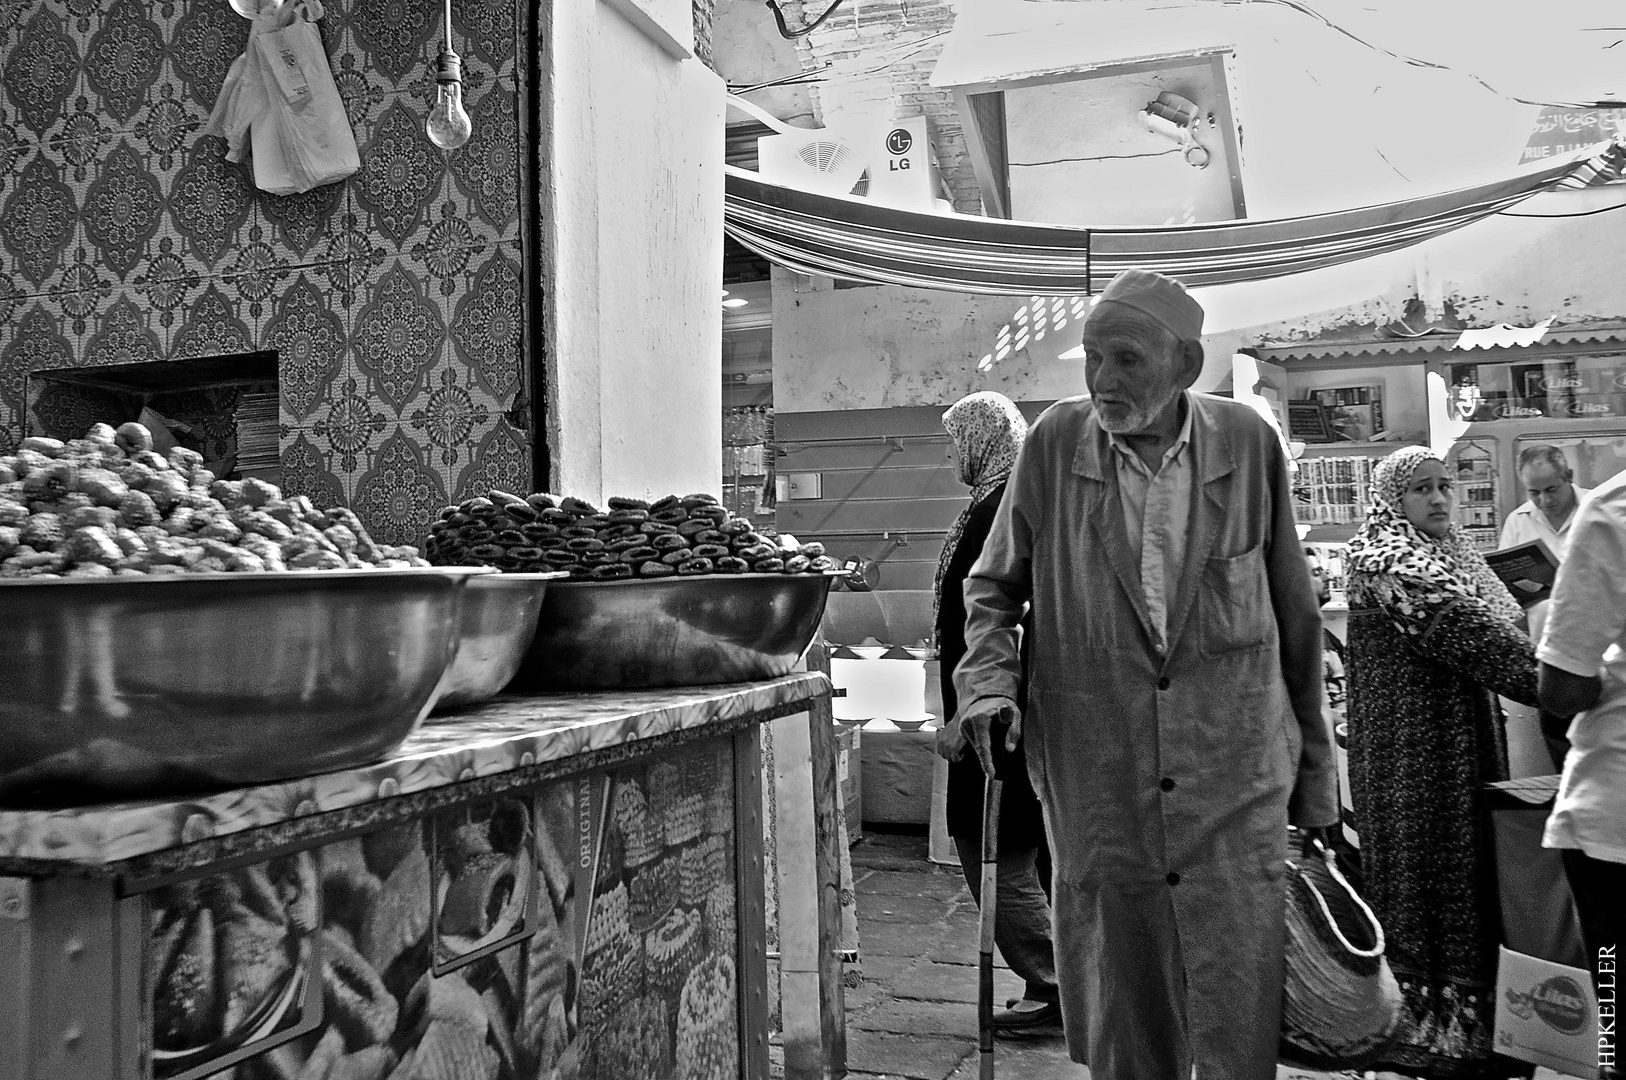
281,93
242,96
307,113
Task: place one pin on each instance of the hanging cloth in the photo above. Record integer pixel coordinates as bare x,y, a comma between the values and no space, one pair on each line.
852,238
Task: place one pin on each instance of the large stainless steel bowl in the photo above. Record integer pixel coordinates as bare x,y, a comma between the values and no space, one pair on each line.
499,620
158,685
675,631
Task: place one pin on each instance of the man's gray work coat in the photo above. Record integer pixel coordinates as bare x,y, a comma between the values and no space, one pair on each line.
1168,781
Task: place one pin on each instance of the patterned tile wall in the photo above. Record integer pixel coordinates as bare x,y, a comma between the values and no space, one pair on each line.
394,298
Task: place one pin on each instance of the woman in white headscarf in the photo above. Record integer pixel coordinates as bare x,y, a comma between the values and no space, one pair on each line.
1433,636
987,431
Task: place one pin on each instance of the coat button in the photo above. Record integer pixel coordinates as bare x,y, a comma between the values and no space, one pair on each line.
1163,683
1173,878
1167,784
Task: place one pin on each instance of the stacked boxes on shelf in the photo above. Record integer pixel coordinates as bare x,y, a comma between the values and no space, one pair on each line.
1333,490
256,420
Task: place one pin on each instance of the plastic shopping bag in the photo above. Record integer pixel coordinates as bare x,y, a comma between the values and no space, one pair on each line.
241,100
305,109
279,97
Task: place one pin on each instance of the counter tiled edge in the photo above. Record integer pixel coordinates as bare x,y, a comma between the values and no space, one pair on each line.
510,733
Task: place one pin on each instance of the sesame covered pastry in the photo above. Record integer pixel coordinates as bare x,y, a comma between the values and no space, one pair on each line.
514,534
185,1007
707,1025
253,958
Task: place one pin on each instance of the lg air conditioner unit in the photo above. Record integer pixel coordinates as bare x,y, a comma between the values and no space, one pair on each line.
820,160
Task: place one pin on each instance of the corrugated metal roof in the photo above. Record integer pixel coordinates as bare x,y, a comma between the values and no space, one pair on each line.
1436,343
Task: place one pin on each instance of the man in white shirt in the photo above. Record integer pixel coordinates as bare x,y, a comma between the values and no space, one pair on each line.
1546,476
1583,671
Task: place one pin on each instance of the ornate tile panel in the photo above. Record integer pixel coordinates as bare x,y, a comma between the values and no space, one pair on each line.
125,236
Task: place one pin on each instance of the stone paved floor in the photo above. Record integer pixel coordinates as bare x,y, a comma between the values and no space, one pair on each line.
914,1018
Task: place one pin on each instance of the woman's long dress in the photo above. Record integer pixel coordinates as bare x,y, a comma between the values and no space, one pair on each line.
1424,738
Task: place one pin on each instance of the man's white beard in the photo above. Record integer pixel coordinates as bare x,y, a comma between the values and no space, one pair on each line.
1136,420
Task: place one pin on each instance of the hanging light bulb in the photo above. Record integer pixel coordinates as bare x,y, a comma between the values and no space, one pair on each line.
449,124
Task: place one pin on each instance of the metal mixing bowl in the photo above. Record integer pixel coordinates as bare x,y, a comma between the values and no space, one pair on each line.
130,686
499,620
673,631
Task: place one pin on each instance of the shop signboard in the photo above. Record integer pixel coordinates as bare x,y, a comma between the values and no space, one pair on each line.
1561,131
1575,388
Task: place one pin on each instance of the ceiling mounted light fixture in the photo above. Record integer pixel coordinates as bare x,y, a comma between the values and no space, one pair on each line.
1175,118
449,125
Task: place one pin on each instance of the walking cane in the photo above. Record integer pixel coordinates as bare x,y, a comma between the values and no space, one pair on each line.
992,788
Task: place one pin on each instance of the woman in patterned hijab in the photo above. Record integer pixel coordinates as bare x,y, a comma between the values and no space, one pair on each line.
1394,555
1433,633
988,431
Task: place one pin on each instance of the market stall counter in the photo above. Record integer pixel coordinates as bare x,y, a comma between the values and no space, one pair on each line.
553,886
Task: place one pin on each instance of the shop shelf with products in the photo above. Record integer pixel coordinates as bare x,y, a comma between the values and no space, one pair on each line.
1473,466
1332,487
749,454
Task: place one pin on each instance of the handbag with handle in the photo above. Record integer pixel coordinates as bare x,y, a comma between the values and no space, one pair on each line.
1341,1005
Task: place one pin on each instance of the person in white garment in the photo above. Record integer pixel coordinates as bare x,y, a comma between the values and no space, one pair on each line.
1583,674
1546,477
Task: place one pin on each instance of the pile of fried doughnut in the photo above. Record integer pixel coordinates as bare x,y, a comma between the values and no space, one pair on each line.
109,505
688,535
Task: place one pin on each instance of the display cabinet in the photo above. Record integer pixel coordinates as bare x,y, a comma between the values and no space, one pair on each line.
554,886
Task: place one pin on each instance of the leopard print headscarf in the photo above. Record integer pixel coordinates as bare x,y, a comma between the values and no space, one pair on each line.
1394,564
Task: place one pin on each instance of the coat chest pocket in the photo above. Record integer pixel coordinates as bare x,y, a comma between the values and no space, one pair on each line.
1236,608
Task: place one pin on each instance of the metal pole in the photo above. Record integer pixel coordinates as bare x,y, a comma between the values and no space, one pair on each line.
985,927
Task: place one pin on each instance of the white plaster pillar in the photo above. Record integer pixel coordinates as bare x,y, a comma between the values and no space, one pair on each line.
571,225
636,150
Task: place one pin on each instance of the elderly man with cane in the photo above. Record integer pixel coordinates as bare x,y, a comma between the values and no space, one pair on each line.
1174,723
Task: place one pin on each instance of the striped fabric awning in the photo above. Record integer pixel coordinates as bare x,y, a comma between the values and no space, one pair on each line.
858,240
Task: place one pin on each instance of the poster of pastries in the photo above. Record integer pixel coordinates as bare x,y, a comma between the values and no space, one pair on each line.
484,895
233,965
373,911
659,987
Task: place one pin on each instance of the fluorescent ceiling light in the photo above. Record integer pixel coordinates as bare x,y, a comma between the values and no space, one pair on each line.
736,302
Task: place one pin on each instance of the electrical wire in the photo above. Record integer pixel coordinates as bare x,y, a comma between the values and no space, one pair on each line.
1305,9
850,67
800,78
786,32
905,50
1580,213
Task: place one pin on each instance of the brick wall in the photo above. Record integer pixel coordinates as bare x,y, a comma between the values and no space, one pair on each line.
851,40
703,12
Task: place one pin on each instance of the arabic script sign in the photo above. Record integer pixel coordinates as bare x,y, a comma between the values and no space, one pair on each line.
1561,131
